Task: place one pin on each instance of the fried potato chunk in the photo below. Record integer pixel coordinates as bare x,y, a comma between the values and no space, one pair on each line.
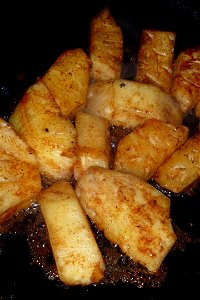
37,119
143,150
105,47
129,103
185,87
68,80
155,58
20,180
182,169
131,213
77,255
93,146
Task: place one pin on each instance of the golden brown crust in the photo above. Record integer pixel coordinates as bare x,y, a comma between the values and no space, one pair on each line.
185,86
37,118
143,150
130,212
20,180
77,255
68,80
106,47
182,169
93,145
155,58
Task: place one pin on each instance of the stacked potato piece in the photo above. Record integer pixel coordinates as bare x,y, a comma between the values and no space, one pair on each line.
65,117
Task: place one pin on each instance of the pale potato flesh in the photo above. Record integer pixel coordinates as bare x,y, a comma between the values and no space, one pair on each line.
129,103
93,145
143,150
37,119
20,180
105,47
155,58
68,80
182,169
77,255
131,213
185,87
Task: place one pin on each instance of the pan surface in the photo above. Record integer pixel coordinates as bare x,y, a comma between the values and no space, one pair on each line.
38,36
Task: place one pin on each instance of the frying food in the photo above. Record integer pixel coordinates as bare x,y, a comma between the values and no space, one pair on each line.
129,103
65,119
182,169
68,79
37,119
93,144
77,256
105,47
155,58
185,86
20,180
143,150
131,213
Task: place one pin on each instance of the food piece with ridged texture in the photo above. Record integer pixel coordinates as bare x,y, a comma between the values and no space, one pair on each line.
37,119
20,180
105,47
76,253
129,103
143,150
185,87
155,58
68,80
181,170
93,145
132,214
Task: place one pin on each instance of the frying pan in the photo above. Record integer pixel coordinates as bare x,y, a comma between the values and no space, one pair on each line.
32,37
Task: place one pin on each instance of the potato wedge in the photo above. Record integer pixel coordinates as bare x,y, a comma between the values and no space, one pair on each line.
37,119
182,169
185,86
131,213
18,163
129,103
143,150
93,146
77,255
105,47
155,58
68,80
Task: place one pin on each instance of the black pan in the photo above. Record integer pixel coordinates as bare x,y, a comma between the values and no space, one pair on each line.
32,37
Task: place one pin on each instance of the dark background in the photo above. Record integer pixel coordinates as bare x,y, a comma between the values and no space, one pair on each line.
33,33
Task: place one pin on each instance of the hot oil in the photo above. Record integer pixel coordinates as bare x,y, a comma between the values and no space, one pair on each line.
120,269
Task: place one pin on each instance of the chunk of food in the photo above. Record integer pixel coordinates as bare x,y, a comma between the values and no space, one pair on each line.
131,213
185,86
68,80
105,47
77,255
37,119
155,58
20,180
143,150
93,146
129,103
181,170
